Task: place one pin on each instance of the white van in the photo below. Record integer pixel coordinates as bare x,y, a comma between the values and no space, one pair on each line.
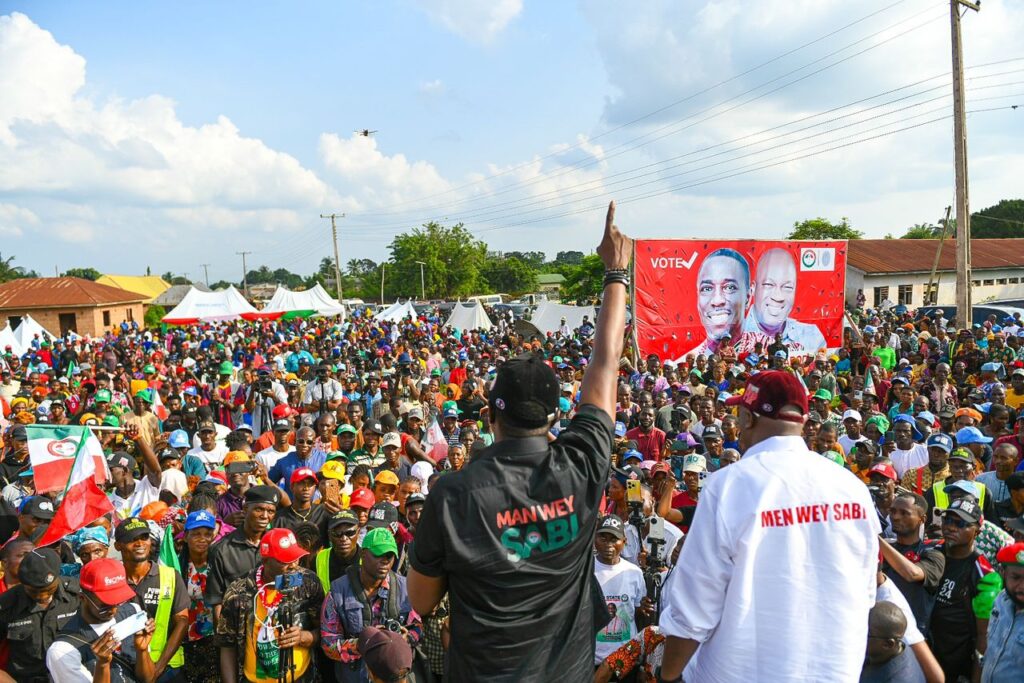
489,299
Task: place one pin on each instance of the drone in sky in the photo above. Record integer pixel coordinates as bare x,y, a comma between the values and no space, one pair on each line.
365,132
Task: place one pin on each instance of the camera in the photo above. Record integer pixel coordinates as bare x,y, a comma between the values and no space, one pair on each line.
406,371
393,625
263,384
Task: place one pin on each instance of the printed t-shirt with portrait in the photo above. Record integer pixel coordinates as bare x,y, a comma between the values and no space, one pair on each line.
623,586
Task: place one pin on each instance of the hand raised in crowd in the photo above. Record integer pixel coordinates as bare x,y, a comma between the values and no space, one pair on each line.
160,442
103,648
131,431
143,637
616,249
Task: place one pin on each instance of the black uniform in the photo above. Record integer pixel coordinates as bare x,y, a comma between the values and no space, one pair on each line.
230,558
29,629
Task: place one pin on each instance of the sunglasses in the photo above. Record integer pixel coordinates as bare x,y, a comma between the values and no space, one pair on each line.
305,441
349,534
959,523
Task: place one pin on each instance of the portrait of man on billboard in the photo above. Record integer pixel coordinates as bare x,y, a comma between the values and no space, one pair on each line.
775,288
724,292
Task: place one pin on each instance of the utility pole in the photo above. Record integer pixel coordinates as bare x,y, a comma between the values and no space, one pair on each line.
337,263
245,277
206,272
963,213
423,286
931,296
383,265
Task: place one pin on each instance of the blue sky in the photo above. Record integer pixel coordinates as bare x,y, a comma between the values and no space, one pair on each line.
172,134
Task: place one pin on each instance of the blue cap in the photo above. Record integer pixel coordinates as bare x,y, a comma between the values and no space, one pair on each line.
179,439
564,405
942,441
968,487
450,412
780,354
927,416
620,429
463,355
971,435
913,426
200,519
191,391
632,453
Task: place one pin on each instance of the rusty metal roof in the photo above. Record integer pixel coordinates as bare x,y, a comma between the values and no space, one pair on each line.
912,256
61,292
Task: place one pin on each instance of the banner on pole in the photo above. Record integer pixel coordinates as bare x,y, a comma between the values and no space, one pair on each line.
52,450
696,296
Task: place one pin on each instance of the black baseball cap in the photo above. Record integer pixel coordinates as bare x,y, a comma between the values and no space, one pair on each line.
262,494
382,514
39,507
525,392
711,432
130,529
611,524
343,518
39,568
373,426
415,499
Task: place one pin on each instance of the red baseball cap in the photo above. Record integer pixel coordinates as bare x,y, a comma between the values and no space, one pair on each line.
302,473
280,411
768,392
885,469
661,467
280,545
105,579
362,497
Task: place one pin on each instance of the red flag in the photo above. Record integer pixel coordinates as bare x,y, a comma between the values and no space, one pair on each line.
83,500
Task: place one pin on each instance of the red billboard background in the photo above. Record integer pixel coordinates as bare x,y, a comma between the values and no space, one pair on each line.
800,291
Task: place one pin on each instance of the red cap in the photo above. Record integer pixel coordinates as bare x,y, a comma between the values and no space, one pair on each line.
885,469
661,467
280,545
1011,554
105,579
302,473
280,411
768,392
362,497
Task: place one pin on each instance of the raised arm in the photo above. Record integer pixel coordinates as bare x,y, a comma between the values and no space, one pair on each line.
598,387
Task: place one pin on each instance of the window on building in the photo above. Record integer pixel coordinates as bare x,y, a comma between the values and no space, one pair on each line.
975,283
905,295
881,294
106,318
1014,280
1002,281
987,283
128,315
931,293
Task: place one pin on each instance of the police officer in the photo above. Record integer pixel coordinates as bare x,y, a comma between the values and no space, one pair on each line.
32,613
161,592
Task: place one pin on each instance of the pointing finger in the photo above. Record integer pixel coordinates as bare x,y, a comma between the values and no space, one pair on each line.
609,221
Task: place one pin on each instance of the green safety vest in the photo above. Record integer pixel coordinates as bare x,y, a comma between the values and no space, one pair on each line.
942,498
323,568
163,620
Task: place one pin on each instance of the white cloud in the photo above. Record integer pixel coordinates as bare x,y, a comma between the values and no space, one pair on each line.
432,88
13,219
473,20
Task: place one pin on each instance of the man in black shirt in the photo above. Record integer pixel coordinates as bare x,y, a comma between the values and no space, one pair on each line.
302,510
509,536
914,565
16,458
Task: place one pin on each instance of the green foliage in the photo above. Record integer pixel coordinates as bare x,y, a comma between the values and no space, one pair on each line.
534,259
923,231
1005,219
154,314
84,273
824,229
510,275
572,258
9,271
223,284
454,263
584,282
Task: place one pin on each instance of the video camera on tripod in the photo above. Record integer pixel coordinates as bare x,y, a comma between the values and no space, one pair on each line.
286,585
656,560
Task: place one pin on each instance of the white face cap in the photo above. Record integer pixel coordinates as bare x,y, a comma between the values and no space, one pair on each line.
852,414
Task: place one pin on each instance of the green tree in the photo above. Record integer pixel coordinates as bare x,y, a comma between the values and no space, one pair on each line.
572,258
510,275
534,259
1005,219
223,284
154,314
9,271
824,229
84,273
923,231
453,259
584,281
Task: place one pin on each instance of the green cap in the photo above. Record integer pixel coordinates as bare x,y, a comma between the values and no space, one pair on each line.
823,394
835,457
111,421
961,454
146,395
450,405
695,371
436,372
556,359
148,369
380,542
346,429
226,368
103,396
880,421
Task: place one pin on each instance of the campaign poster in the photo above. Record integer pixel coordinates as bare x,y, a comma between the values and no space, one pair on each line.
696,296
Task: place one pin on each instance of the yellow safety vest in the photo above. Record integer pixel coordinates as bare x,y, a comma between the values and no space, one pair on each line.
323,568
942,498
163,620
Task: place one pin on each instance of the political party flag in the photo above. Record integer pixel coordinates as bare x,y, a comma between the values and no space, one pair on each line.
437,444
869,383
52,450
83,501
168,555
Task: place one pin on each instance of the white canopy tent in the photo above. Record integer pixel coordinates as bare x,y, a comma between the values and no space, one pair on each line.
7,338
316,299
27,330
548,316
228,304
469,316
397,311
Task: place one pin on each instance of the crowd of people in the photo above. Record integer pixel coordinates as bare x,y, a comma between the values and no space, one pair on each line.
320,486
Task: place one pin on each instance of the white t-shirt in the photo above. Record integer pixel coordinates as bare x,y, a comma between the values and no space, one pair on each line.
916,456
144,494
777,537
847,443
269,456
632,549
64,661
210,458
888,592
623,586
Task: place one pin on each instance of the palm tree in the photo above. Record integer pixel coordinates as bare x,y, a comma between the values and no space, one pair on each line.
8,271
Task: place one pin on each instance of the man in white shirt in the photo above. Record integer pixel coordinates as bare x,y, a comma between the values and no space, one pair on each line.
281,447
775,532
622,582
210,451
853,424
908,453
324,394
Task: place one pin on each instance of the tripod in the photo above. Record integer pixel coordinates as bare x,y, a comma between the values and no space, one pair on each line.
286,658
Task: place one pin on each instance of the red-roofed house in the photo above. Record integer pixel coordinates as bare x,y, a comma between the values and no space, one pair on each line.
66,304
898,270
